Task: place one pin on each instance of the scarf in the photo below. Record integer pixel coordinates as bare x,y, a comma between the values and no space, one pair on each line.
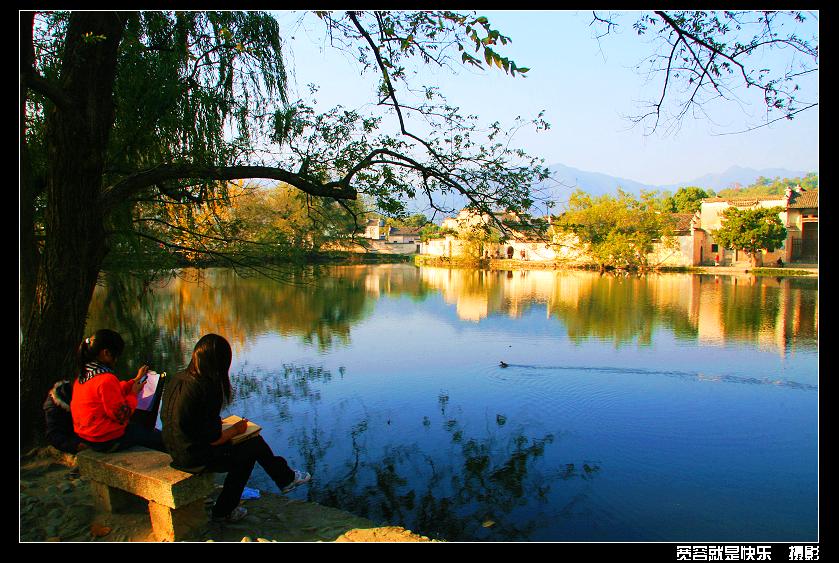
91,370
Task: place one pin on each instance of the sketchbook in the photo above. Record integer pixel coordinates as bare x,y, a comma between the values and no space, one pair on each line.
252,430
145,400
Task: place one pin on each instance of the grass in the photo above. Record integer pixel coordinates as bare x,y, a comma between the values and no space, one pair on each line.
780,272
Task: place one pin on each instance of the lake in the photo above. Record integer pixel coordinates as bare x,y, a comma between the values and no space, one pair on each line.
513,406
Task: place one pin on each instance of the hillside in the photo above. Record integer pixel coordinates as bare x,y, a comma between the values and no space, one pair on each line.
568,179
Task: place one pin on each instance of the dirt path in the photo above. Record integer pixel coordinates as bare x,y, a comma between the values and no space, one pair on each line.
57,505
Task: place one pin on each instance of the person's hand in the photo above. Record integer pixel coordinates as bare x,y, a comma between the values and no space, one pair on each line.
241,426
138,381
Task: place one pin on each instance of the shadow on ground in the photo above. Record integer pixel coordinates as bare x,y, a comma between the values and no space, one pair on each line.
57,505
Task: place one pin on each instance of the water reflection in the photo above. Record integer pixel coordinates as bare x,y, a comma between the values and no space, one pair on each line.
685,375
777,312
457,485
503,453
462,487
163,318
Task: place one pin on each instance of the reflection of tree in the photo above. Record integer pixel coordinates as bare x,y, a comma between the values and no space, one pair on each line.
465,488
291,383
468,489
750,307
624,308
617,308
162,318
131,304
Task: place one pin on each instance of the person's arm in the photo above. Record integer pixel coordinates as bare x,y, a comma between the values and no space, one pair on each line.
134,386
228,434
118,406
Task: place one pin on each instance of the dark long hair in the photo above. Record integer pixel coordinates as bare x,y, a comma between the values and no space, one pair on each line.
102,339
211,361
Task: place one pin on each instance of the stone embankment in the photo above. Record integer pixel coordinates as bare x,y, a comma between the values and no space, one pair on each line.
505,265
56,504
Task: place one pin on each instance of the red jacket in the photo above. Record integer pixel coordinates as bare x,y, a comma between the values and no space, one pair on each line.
101,405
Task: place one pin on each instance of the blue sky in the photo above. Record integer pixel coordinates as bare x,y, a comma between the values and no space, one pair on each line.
587,87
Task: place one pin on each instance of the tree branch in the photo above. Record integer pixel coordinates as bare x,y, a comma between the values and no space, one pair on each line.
134,183
30,78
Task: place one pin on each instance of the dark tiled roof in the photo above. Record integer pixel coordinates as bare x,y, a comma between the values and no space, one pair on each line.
682,221
805,199
744,199
404,231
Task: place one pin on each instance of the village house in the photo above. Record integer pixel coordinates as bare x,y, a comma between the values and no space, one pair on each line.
800,216
688,240
473,235
391,240
693,233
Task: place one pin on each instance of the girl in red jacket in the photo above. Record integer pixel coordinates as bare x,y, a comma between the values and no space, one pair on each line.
102,405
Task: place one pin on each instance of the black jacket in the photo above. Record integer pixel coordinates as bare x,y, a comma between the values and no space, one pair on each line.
59,421
191,419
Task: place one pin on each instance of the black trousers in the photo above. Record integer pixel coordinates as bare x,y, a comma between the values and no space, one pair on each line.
238,461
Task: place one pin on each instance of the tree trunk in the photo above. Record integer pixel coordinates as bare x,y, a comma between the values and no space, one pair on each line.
54,311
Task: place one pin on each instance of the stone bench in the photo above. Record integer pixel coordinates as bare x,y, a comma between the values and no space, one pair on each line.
175,498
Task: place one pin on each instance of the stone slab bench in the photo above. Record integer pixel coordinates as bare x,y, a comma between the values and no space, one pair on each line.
175,498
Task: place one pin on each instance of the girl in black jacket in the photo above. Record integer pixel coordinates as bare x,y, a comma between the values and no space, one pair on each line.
191,416
59,421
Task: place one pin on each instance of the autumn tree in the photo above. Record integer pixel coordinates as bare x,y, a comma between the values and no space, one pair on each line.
618,231
751,230
166,108
119,109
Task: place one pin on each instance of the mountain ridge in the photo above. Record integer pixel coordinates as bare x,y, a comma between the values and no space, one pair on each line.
598,183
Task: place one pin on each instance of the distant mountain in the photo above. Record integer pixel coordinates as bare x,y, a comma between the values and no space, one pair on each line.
568,179
738,175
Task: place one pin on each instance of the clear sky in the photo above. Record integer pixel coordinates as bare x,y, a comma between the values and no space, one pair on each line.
587,87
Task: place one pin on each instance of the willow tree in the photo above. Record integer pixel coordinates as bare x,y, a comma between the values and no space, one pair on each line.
124,113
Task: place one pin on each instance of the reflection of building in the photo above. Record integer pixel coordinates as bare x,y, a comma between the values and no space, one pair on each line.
711,309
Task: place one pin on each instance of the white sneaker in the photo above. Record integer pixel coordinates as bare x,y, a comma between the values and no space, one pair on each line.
300,478
237,514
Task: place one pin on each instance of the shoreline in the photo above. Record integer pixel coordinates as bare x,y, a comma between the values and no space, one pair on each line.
56,505
494,264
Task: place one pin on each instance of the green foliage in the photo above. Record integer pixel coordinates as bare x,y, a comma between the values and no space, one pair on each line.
475,238
751,230
777,186
619,230
686,200
206,90
189,85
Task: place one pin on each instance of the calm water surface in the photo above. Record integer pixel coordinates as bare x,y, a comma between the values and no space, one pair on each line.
670,407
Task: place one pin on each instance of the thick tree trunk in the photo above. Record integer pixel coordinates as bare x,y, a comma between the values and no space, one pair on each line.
54,314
